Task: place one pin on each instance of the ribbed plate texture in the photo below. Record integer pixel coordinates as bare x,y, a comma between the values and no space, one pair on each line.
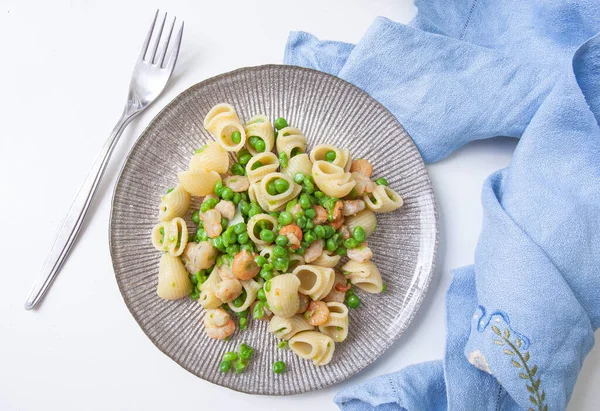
327,110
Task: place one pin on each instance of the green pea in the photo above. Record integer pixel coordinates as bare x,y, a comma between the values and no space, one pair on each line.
301,221
272,188
244,207
319,231
290,205
260,145
238,169
217,242
329,231
246,351
200,277
283,160
341,251
305,201
281,240
381,181
268,286
244,158
267,235
310,213
201,149
230,356
237,197
195,217
254,209
239,228
353,301
236,137
248,247
227,193
231,236
319,195
278,367
268,266
194,294
283,344
351,243
266,274
218,187
243,323
261,295
239,301
301,251
240,366
338,238
309,224
194,279
224,223
259,310
243,238
281,264
285,218
252,141
353,193
279,251
331,245
330,156
225,366
359,234
232,250
299,177
257,164
209,203
281,185
201,235
384,288
243,314
280,123
310,237
260,260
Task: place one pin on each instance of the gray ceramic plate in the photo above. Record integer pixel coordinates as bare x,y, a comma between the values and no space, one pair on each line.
327,110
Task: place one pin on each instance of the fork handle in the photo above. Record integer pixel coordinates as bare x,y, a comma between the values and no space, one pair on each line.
73,221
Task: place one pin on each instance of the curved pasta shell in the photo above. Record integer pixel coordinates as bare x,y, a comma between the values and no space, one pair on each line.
342,156
298,164
290,138
175,236
260,126
211,157
221,121
251,288
337,325
198,183
286,328
283,295
276,202
208,299
295,261
174,204
270,164
332,180
213,279
365,276
313,345
250,227
173,280
383,200
365,219
315,281
327,259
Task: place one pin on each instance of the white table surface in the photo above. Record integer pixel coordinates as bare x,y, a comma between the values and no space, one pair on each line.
64,72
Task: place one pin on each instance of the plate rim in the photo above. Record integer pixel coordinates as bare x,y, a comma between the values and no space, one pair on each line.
389,342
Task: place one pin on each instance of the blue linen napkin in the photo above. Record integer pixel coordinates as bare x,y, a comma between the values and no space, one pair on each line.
521,320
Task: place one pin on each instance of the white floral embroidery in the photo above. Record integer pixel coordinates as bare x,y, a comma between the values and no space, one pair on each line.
478,360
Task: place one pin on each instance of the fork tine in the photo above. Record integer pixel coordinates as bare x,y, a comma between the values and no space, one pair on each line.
163,50
148,37
174,52
156,42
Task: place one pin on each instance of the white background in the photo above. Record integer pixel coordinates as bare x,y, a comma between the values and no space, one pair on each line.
64,73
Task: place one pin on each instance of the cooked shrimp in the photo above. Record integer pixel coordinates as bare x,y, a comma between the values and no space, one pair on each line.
337,210
317,313
226,208
321,216
228,290
363,184
361,166
243,266
296,209
344,232
304,301
360,254
218,324
313,251
237,183
337,224
293,234
212,223
352,207
336,295
225,272
198,256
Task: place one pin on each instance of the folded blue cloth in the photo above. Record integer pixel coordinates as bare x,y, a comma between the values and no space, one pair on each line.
521,320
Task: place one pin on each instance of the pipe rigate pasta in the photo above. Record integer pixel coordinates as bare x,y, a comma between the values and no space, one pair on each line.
365,219
286,328
365,276
255,224
291,141
173,280
171,236
277,201
315,281
383,200
251,287
198,183
211,157
342,156
332,179
261,165
313,345
259,126
174,204
337,325
222,121
282,295
327,259
298,164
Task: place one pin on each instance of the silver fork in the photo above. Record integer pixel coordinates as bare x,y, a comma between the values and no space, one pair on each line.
152,71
